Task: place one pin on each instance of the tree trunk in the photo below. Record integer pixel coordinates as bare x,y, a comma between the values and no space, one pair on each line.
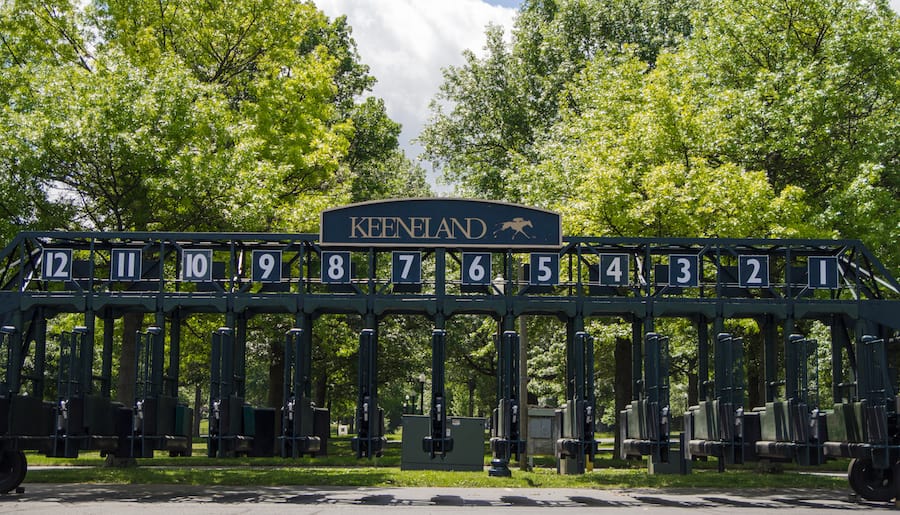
755,379
198,406
275,397
132,323
622,355
693,390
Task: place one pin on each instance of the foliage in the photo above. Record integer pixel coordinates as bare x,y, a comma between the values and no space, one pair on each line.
491,113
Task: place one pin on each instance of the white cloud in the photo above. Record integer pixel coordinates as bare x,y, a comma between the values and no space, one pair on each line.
407,43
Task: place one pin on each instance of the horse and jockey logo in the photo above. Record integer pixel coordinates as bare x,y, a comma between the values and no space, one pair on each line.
517,225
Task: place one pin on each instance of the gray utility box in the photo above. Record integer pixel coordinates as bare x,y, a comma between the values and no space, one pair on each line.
468,444
543,431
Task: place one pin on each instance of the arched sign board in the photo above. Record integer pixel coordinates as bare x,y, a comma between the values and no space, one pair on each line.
440,222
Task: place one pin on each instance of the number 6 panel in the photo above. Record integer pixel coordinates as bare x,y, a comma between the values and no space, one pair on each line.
476,268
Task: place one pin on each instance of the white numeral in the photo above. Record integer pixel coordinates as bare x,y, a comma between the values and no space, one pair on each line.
614,270
754,274
336,267
545,273
407,260
476,270
267,265
684,276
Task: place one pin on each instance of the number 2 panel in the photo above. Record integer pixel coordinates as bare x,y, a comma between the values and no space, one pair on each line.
753,271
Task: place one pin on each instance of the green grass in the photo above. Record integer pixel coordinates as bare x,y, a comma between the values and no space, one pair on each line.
342,468
393,476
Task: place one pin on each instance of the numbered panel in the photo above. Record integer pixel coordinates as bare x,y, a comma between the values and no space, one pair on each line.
544,269
684,270
823,272
406,267
56,265
753,271
336,267
125,265
266,266
614,269
476,268
196,266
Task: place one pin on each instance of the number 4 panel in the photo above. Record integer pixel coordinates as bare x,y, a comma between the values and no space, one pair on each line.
614,269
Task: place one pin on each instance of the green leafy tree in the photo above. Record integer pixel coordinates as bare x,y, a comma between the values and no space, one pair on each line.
183,116
491,112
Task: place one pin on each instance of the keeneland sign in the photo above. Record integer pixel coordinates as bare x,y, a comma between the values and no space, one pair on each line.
441,222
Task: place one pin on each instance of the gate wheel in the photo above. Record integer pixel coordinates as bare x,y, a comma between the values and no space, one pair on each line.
13,467
869,482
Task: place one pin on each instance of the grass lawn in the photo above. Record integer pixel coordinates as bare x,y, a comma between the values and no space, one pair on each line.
341,468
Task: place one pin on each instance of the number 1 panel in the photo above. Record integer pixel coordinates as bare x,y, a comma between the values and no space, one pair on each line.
823,272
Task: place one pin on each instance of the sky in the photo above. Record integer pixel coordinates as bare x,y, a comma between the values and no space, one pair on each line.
407,43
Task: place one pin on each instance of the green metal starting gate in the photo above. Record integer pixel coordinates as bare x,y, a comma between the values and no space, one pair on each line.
435,258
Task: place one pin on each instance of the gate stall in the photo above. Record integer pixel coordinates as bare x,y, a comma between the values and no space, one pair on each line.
436,258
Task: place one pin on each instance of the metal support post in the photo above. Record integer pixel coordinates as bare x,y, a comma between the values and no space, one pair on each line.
770,363
297,431
702,359
505,441
221,392
577,447
370,439
438,443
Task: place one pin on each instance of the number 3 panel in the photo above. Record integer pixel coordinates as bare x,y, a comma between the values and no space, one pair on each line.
684,270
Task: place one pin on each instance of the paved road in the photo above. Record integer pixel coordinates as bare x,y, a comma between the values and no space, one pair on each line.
73,499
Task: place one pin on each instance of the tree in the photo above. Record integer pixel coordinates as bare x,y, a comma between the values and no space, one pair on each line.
807,94
182,116
501,105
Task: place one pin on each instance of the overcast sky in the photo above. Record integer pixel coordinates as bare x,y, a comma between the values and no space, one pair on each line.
407,43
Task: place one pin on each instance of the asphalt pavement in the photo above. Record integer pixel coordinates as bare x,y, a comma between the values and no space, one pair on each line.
77,499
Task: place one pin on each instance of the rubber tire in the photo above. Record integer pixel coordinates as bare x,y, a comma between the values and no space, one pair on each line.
869,482
13,467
